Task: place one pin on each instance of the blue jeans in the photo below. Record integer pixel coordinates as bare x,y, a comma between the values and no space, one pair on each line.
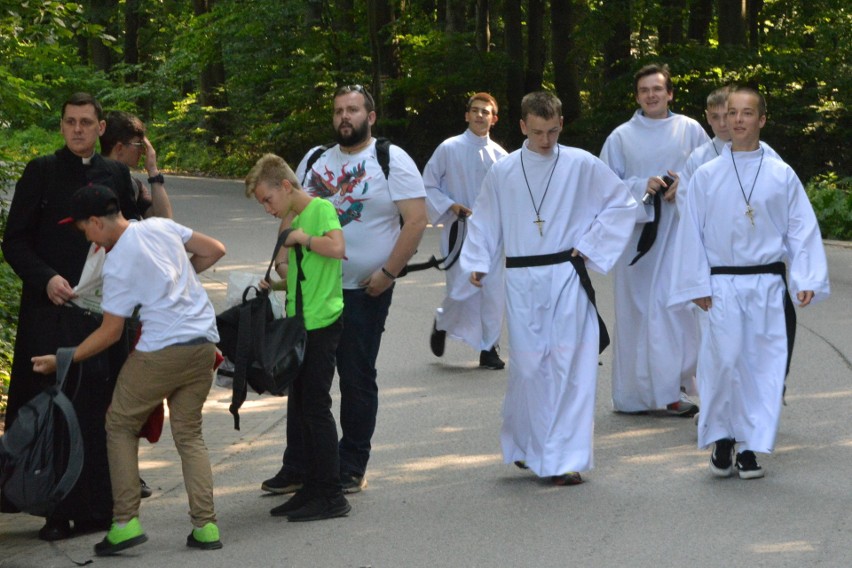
363,325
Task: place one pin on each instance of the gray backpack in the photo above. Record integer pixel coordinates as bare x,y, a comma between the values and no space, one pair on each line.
28,456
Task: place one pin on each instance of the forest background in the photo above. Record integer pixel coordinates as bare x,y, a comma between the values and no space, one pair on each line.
220,82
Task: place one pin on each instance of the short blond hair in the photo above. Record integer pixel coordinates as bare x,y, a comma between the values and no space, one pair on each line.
271,169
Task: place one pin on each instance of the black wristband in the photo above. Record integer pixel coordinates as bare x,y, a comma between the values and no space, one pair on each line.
388,274
157,179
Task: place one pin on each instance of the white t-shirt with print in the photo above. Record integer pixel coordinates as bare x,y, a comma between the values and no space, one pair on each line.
149,267
365,202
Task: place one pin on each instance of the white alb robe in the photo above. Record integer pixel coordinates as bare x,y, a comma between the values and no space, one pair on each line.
743,355
548,412
654,349
454,174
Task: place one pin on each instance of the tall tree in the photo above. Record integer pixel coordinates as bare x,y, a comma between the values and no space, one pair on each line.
754,8
386,63
700,17
536,51
670,27
212,93
616,47
732,22
483,25
514,67
456,15
132,24
565,73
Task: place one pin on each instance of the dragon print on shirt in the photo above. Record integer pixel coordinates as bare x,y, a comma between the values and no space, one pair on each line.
344,191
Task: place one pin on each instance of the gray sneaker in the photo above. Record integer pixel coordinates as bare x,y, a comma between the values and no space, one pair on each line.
352,483
683,408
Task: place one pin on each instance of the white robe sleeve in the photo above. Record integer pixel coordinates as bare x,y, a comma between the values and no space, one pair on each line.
691,274
438,200
612,155
484,239
808,265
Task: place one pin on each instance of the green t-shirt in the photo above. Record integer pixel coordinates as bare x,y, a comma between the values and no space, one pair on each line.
322,288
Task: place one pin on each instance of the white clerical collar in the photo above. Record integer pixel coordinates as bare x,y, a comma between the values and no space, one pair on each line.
536,155
474,138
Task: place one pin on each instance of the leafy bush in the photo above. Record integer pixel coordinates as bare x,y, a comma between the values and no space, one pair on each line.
831,197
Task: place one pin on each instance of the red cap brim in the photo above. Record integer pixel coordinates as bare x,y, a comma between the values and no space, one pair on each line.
65,221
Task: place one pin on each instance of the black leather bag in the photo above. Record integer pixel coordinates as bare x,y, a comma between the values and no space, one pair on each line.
267,352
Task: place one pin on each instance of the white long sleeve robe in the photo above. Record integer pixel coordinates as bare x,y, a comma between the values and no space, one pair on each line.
454,174
548,412
654,349
743,354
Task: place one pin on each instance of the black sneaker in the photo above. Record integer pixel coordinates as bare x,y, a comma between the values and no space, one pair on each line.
722,458
319,508
490,360
284,482
352,483
438,340
297,501
747,465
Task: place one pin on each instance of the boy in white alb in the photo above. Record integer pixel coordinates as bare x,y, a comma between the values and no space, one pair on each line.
655,348
746,213
173,359
453,177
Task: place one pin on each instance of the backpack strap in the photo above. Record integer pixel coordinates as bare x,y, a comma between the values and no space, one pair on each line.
75,449
312,160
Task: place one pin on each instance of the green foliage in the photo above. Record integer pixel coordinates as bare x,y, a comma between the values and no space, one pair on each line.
10,293
831,197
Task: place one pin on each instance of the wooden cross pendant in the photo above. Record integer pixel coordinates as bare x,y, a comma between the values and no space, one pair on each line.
539,221
750,214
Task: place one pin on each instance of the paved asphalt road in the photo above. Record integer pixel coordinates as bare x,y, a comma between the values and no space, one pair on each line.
439,495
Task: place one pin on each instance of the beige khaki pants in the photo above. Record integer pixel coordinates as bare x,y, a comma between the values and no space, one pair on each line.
182,375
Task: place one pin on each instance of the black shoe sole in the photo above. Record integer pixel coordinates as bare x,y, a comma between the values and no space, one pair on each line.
292,488
192,543
106,548
330,514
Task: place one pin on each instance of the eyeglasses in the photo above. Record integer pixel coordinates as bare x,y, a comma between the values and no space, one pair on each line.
356,88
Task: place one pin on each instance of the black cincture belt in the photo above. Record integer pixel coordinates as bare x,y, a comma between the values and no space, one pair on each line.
780,269
580,267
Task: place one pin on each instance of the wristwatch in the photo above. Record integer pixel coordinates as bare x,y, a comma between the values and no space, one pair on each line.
157,179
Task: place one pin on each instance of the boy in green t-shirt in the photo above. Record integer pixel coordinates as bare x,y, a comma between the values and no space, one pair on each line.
317,230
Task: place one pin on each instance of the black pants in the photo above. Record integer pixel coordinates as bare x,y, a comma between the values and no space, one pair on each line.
309,405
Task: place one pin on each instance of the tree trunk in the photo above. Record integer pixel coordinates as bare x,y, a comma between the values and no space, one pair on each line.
754,8
456,16
616,14
386,64
98,13
132,24
700,17
565,73
536,48
515,68
732,22
483,26
313,14
212,86
343,15
670,28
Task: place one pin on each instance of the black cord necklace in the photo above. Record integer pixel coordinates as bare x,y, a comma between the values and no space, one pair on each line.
714,147
749,211
538,220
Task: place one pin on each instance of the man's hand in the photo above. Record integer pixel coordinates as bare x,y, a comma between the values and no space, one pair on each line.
377,283
460,210
44,364
704,303
59,290
150,158
656,184
805,297
476,278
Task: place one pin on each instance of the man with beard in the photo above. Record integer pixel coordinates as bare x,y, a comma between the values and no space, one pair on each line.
369,205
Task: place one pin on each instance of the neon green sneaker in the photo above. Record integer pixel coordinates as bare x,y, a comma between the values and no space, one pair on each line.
121,538
205,538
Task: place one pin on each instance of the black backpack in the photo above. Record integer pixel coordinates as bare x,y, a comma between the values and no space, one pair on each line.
28,456
382,156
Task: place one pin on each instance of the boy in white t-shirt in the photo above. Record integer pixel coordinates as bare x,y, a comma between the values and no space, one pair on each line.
173,359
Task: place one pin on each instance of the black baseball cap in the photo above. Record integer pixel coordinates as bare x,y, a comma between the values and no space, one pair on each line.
92,201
